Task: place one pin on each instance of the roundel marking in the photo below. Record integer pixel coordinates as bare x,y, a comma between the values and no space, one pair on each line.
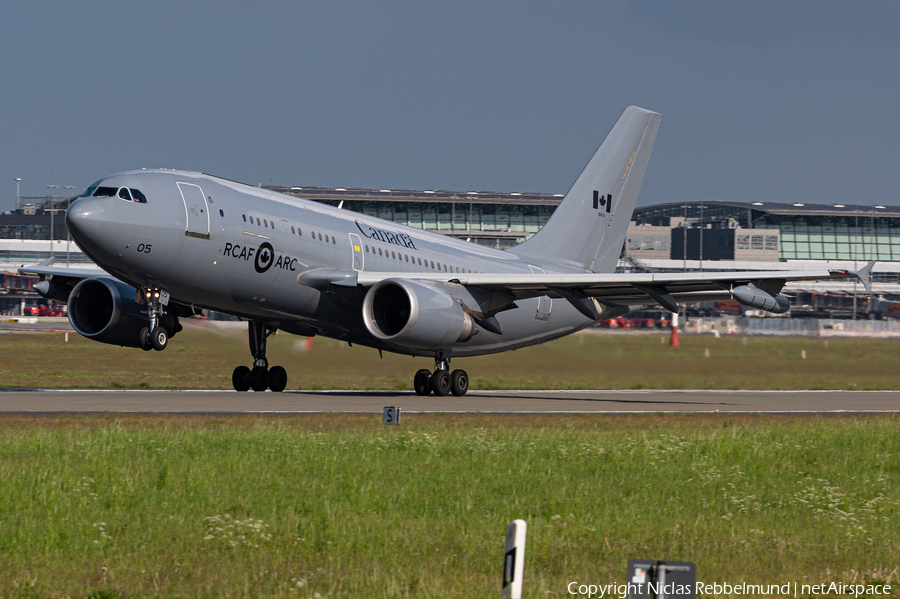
265,257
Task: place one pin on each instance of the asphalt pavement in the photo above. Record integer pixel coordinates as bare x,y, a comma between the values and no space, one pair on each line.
45,401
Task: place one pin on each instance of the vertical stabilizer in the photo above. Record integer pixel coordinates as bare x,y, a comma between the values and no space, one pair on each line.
589,226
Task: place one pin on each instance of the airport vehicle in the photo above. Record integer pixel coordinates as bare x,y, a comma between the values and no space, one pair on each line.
174,242
45,310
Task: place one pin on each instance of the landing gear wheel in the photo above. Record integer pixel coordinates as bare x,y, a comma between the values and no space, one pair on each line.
240,378
144,339
259,378
421,382
440,383
277,379
459,382
159,339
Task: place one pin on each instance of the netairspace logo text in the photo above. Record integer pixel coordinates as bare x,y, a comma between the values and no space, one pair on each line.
791,589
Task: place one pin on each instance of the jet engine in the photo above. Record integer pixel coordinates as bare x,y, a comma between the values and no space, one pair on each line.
104,310
416,315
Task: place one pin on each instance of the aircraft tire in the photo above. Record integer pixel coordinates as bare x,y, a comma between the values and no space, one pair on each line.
277,379
240,378
144,339
159,339
259,379
459,382
422,382
440,383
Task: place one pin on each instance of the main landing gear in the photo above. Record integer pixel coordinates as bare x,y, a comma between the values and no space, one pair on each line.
261,377
442,382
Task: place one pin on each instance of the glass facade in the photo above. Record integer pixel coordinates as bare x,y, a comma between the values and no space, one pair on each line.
27,257
805,235
837,237
458,216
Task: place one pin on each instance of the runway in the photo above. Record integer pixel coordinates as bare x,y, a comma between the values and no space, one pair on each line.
43,401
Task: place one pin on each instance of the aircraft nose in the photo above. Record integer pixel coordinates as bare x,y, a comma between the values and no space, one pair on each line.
84,220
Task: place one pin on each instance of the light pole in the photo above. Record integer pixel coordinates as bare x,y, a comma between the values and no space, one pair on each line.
701,232
684,229
68,189
51,187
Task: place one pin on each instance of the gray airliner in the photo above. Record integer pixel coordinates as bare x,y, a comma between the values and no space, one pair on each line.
174,243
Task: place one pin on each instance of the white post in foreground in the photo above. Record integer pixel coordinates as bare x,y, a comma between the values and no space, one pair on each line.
514,560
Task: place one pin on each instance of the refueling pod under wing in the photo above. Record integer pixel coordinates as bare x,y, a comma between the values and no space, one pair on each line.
754,297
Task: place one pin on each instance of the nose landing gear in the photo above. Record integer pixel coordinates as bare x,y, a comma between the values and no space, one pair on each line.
441,382
260,377
163,324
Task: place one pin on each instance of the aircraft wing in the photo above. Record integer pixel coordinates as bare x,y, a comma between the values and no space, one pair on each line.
45,270
64,279
665,289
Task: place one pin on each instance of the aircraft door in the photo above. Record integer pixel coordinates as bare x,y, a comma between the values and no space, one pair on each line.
196,210
356,246
544,303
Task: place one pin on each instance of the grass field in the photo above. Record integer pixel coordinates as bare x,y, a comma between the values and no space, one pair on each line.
204,355
343,506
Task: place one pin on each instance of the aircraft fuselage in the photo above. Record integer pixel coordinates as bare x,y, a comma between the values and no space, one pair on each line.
224,246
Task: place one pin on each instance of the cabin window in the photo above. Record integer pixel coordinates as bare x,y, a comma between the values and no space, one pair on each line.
379,251
320,237
367,248
432,265
125,195
265,223
333,240
292,230
273,224
245,217
257,221
138,196
221,213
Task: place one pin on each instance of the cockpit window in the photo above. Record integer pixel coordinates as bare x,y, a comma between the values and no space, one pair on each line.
90,190
105,192
123,193
138,196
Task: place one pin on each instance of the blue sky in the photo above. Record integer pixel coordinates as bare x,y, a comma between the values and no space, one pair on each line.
780,101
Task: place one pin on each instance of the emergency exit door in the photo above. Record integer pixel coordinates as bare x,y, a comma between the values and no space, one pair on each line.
356,246
544,303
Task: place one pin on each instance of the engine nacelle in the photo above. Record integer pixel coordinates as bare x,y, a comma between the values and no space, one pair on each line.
104,310
416,315
752,296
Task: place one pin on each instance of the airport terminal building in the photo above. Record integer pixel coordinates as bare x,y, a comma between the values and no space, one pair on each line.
673,237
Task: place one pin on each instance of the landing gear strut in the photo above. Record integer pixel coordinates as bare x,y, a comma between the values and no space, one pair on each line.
442,382
260,377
